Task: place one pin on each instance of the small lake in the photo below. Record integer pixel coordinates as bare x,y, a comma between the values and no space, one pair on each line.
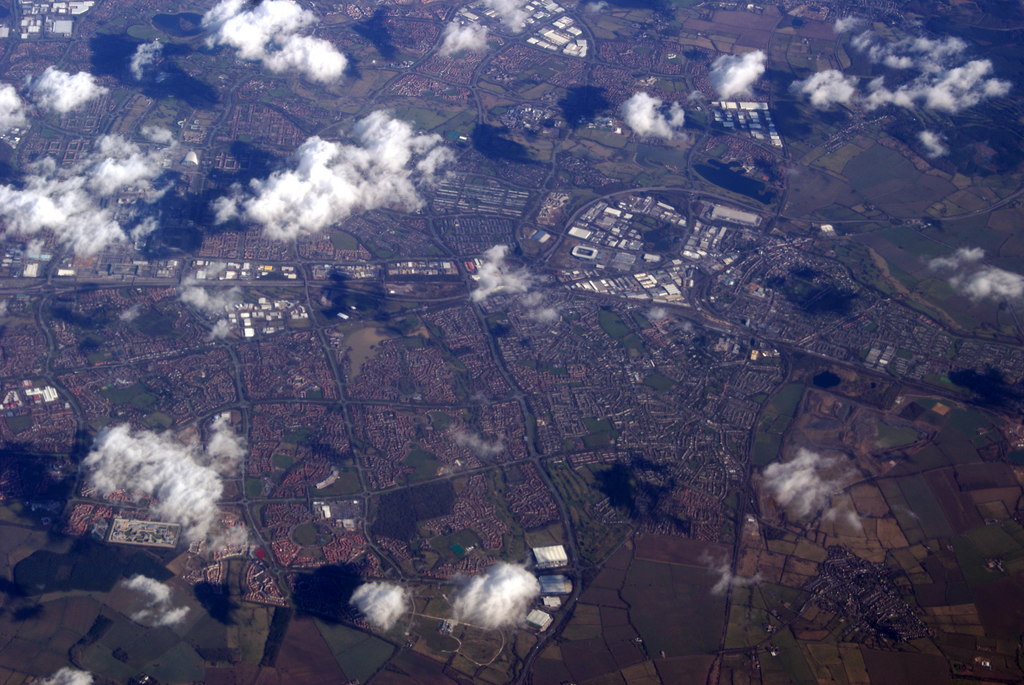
730,177
826,379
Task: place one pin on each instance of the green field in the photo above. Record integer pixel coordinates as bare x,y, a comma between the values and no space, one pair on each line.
136,394
659,382
612,324
423,463
661,595
775,419
895,436
358,654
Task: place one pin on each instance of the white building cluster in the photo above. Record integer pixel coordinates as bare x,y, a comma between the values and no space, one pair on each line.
751,117
56,18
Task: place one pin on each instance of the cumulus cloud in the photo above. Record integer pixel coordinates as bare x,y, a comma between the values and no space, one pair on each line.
512,13
477,444
268,32
595,7
991,283
495,276
847,24
497,599
12,109
68,676
657,313
845,514
157,134
650,116
976,280
538,309
61,92
934,144
827,88
145,55
471,37
950,91
221,329
209,300
131,313
183,478
159,609
726,578
331,181
925,53
381,603
804,485
72,202
943,80
962,257
734,75
224,446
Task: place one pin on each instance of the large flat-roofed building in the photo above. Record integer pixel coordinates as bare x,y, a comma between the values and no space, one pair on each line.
736,216
555,585
538,620
145,533
553,556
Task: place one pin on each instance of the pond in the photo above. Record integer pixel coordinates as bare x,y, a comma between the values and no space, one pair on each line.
731,178
826,379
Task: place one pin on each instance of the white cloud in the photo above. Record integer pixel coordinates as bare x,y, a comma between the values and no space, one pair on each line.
268,32
845,514
934,144
12,109
827,88
976,280
224,446
963,256
497,599
159,609
726,578
943,81
458,38
657,313
213,301
145,55
804,485
331,181
61,92
477,444
538,309
990,282
68,676
595,7
734,75
649,116
512,13
131,313
381,603
495,276
847,24
183,478
221,329
72,203
157,134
